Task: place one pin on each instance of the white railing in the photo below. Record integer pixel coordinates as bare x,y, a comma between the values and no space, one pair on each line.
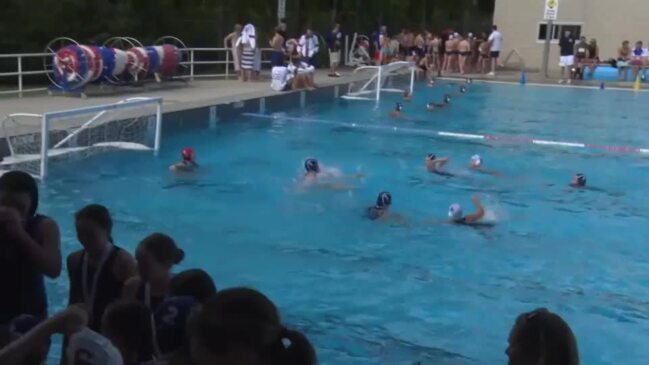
191,62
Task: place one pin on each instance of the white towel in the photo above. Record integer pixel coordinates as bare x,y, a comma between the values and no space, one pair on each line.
308,46
248,36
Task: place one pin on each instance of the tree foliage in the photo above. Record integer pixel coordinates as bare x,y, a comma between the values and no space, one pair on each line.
28,25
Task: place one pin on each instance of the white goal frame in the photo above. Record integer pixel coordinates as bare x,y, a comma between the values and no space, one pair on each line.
99,110
365,92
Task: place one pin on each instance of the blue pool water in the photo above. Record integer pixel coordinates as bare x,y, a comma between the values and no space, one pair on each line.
375,293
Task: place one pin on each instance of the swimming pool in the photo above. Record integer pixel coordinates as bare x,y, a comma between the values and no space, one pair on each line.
374,293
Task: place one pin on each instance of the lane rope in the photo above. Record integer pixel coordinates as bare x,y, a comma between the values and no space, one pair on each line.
456,135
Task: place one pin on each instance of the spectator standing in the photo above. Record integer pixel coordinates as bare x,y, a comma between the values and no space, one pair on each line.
277,44
334,43
29,249
495,45
581,55
308,47
566,54
230,41
464,49
248,45
98,271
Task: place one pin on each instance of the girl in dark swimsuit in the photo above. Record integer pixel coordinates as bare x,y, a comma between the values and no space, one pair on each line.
97,272
156,255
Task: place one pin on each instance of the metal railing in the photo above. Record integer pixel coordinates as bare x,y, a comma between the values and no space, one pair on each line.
191,61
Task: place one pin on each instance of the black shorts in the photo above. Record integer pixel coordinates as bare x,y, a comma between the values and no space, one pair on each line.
495,54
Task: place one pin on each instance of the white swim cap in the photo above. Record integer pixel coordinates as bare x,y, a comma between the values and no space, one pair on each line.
476,160
455,211
91,348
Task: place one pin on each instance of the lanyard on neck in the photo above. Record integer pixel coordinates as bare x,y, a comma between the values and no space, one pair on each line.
90,294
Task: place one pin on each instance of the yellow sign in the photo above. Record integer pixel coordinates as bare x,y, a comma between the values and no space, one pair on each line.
551,9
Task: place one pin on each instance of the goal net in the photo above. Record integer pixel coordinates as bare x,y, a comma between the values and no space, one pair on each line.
34,140
378,79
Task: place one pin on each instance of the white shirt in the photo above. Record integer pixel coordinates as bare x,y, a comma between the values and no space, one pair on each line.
280,76
496,39
308,46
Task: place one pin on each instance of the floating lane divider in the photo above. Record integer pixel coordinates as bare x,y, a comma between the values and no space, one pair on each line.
456,135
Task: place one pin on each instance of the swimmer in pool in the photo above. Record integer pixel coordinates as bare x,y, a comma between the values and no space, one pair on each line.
468,81
476,165
407,96
457,217
431,83
397,111
313,171
578,181
435,164
381,208
433,106
312,168
187,162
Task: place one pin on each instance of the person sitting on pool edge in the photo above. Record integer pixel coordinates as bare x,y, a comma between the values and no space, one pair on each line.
435,164
397,111
432,105
187,163
455,213
578,181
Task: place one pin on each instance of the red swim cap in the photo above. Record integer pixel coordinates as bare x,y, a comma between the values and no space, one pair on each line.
187,153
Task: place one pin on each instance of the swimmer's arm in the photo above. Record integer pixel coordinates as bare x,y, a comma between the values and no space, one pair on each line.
441,161
478,214
67,322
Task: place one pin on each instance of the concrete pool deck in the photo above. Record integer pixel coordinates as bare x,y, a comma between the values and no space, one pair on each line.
203,93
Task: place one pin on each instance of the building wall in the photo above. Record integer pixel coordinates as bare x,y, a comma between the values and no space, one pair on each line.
609,21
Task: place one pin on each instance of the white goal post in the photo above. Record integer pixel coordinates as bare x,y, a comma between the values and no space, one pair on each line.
34,139
372,88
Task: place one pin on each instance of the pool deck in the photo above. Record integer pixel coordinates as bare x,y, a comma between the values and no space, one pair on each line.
202,93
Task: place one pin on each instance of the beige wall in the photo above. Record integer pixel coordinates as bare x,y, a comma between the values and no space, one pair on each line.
609,21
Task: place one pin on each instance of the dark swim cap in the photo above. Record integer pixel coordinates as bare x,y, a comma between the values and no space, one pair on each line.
447,99
398,107
311,165
581,179
430,156
384,200
21,182
462,89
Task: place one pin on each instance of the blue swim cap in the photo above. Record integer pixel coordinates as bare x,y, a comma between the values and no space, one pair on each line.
171,321
455,212
311,165
398,107
581,179
462,89
384,200
430,156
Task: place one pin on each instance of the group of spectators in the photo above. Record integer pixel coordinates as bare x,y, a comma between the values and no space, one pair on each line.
448,52
124,308
132,309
